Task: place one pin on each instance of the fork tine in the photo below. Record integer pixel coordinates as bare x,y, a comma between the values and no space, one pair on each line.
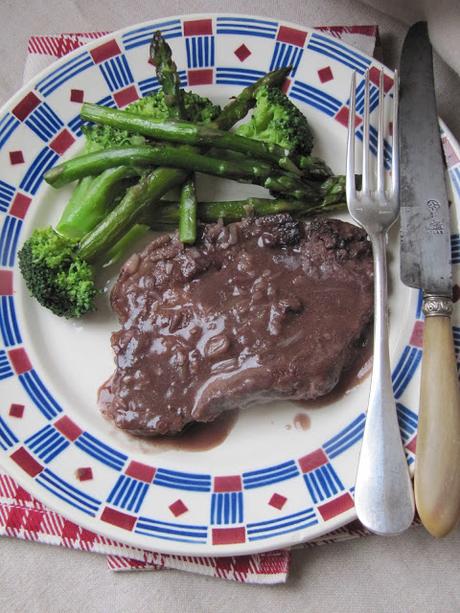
395,139
380,160
366,178
350,166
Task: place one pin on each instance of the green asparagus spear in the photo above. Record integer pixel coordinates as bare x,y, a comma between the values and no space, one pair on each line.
165,217
91,205
167,74
120,249
333,190
167,212
149,189
161,57
154,185
256,172
234,210
187,133
314,168
188,212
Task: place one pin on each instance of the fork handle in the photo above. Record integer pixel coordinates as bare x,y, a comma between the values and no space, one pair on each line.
437,465
383,493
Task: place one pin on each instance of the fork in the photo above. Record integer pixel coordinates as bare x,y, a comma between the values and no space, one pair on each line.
384,498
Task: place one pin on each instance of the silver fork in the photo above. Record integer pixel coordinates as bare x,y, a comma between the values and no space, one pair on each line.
383,493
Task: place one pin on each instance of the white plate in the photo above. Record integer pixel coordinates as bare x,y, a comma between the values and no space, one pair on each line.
268,484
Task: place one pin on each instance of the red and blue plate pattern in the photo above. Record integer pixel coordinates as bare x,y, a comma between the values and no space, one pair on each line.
44,444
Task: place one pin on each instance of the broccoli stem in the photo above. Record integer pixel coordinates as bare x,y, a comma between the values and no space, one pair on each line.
257,172
78,195
187,133
188,212
90,202
154,185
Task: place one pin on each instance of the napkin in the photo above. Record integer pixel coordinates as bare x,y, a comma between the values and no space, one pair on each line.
443,17
23,516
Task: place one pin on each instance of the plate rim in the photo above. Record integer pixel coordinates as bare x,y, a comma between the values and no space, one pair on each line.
95,524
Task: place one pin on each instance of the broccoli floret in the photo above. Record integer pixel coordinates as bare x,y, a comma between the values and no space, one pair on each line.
197,108
200,109
55,275
278,121
50,263
106,137
153,105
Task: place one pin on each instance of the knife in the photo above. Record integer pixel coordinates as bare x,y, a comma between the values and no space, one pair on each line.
425,264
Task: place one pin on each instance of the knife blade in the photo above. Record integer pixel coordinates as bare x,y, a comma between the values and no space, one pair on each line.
425,220
426,264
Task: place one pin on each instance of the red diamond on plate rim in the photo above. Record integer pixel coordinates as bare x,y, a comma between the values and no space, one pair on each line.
178,508
16,410
85,473
105,51
16,157
118,518
412,445
278,501
126,95
26,461
76,95
342,117
242,53
374,76
325,74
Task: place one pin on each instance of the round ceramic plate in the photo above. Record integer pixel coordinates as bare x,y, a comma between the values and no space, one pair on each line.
272,482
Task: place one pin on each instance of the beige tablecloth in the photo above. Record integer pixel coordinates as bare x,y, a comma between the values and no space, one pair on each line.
409,573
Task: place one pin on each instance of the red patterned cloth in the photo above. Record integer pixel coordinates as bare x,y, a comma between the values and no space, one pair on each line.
22,516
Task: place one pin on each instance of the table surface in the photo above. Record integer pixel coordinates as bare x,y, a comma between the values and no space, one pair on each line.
412,572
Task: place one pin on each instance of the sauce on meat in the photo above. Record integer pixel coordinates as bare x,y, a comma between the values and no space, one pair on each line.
264,309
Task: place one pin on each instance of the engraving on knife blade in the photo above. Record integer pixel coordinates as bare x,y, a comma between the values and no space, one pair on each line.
435,224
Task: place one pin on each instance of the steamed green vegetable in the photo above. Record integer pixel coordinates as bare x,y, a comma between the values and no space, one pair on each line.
168,77
258,172
184,132
278,121
59,269
187,217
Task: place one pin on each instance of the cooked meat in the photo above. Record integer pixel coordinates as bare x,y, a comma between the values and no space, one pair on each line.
267,308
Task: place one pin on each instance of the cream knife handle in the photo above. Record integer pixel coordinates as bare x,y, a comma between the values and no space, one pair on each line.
437,465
